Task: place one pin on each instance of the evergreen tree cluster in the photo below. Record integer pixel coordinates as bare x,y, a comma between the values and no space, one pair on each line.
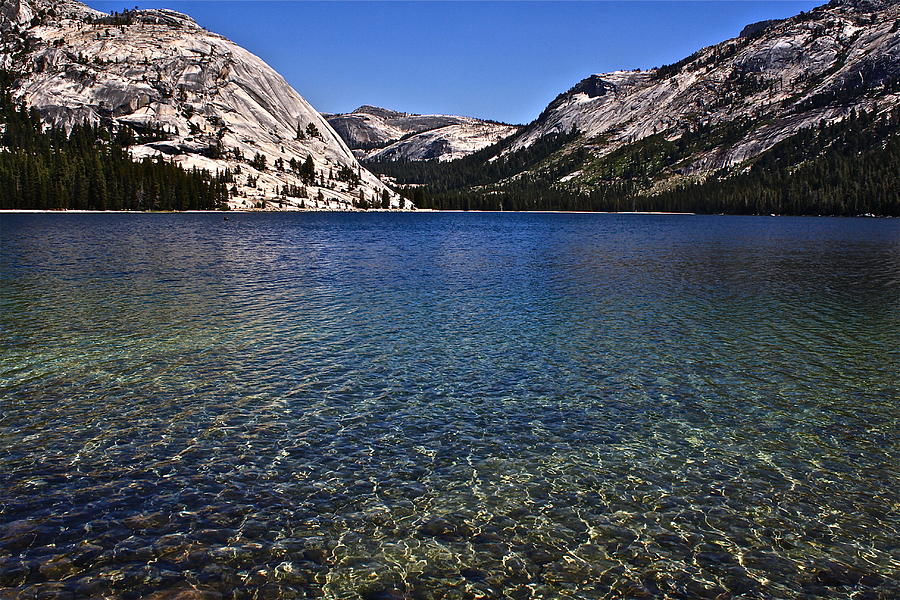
312,131
294,191
305,170
348,176
89,168
126,17
258,162
856,172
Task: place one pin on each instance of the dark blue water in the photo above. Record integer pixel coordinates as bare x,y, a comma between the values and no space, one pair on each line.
449,406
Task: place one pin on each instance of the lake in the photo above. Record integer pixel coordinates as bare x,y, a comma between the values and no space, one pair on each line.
449,406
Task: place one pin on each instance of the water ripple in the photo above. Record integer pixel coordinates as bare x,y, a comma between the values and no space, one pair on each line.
448,406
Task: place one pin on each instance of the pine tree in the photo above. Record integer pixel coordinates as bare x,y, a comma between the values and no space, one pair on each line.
258,162
308,172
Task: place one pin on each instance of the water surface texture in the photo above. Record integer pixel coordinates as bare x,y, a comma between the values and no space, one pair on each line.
449,406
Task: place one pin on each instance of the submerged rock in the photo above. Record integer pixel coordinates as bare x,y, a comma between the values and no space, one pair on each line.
57,568
184,593
386,594
440,527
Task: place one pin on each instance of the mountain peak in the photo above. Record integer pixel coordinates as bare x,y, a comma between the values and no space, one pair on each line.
862,5
23,11
64,8
377,111
778,77
760,26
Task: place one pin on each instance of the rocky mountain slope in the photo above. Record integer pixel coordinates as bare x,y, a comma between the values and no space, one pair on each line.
785,74
380,134
715,112
204,101
782,76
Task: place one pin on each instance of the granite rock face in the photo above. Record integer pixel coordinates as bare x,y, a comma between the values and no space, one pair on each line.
780,76
380,134
217,104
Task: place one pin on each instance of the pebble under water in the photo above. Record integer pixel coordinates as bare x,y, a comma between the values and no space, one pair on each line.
450,406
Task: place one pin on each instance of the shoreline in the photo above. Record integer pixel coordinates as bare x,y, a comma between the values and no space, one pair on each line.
243,211
558,212
13,211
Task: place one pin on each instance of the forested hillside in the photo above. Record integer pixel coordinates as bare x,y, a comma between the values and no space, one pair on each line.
854,170
89,168
848,167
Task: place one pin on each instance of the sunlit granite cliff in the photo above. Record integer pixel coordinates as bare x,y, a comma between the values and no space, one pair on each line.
749,92
213,104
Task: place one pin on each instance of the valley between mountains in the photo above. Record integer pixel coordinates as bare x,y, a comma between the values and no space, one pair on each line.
794,116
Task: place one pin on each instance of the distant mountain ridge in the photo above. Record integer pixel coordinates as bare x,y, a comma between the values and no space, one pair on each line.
380,134
638,134
213,104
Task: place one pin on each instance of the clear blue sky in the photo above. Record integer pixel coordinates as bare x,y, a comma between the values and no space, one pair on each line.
496,60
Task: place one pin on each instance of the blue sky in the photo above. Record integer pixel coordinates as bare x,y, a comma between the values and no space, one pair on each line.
496,60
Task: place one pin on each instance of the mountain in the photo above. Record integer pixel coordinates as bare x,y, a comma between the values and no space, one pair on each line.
625,138
385,135
784,75
199,99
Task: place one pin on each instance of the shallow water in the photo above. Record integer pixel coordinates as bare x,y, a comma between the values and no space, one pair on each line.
449,406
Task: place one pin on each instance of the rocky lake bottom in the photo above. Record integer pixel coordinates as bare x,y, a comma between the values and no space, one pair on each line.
451,406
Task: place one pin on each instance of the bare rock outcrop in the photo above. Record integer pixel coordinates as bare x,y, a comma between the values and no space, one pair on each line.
381,134
207,102
778,76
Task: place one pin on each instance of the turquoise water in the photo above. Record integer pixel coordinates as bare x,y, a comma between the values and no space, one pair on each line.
449,406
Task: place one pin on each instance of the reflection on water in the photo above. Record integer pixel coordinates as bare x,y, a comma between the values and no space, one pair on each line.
448,406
